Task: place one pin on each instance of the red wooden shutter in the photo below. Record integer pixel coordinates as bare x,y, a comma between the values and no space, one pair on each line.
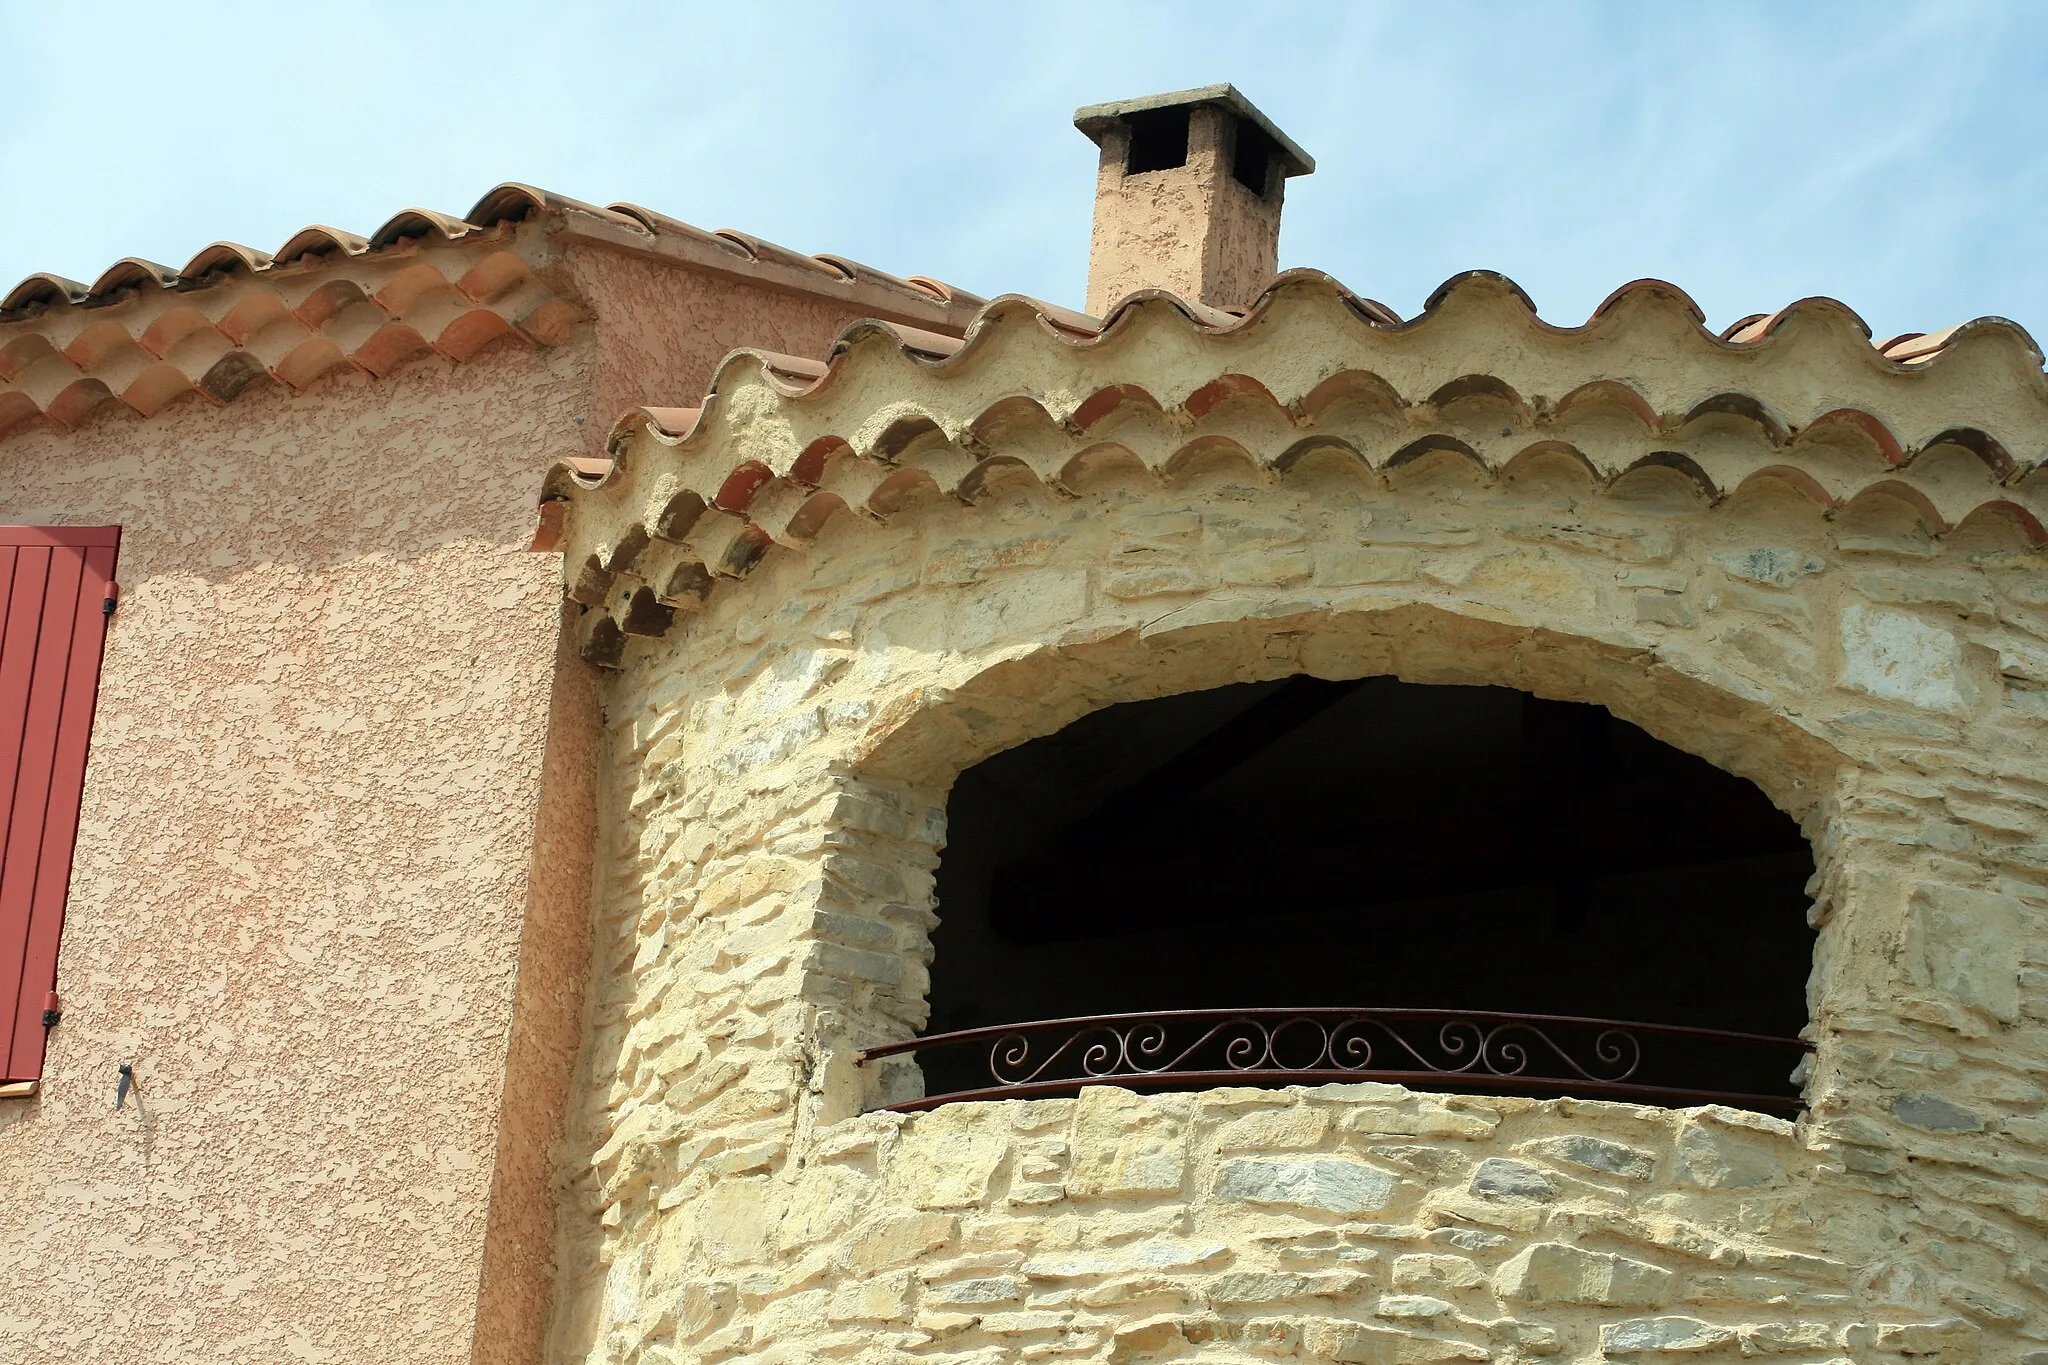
55,584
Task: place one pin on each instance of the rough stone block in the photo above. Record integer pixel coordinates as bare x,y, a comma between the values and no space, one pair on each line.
1554,1272
1350,1343
853,931
1595,1154
1270,1336
1439,1274
1966,944
1125,1146
942,1162
898,1239
1532,1338
1949,1342
1501,1178
1469,1239
1347,566
1354,1343
1663,609
1279,1129
1640,1335
1899,657
969,561
1021,606
975,1292
853,964
798,1316
1256,1287
1149,1256
1712,1157
1931,1113
943,1325
1459,1206
1779,654
1024,1322
1773,566
1785,1338
1278,569
701,1305
877,1298
735,1221
1423,1119
1327,1185
1144,1337
1164,580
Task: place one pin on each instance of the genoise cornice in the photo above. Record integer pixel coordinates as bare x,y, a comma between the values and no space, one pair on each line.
1919,443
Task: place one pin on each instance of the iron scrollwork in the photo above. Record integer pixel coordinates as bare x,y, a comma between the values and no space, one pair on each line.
1524,1053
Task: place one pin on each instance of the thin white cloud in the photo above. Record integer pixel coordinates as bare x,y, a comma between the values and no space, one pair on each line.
1752,153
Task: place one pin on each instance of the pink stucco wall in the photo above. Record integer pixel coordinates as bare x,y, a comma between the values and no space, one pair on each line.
302,870
660,332
331,887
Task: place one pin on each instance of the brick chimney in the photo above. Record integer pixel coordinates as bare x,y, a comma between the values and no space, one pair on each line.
1188,196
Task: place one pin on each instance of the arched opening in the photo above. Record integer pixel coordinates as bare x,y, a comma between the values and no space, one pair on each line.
1282,848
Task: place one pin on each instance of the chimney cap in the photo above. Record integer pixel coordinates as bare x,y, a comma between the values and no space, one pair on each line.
1097,119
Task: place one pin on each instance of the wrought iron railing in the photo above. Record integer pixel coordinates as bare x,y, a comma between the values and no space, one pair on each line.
1530,1054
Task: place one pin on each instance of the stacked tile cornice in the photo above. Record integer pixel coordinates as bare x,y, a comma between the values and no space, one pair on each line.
1909,445
145,334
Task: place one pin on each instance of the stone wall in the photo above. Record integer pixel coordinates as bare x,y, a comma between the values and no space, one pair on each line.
774,808
1807,562
303,882
1347,1223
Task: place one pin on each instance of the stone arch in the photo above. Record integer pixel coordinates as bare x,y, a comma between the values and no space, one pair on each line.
1020,696
913,757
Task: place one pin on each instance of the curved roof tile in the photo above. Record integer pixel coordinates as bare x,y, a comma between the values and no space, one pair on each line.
507,203
274,324
43,287
889,408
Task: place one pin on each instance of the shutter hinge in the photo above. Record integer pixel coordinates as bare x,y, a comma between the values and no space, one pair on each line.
53,1010
111,600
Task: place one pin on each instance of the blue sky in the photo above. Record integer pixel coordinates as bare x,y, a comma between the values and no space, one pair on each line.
1889,154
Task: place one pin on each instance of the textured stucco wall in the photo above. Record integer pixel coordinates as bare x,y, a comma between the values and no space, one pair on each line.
660,331
779,763
547,1014
302,873
331,893
1191,230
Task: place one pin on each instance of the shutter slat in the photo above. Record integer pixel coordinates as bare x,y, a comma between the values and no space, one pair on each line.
8,554
17,670
79,690
17,666
31,803
53,581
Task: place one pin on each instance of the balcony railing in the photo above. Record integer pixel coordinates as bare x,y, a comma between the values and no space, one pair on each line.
1525,1054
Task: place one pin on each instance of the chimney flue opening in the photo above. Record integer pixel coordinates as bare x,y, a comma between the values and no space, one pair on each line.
1167,215
1159,140
1252,158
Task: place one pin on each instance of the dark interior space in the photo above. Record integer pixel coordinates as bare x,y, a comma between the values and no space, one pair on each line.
1252,156
1370,843
1159,140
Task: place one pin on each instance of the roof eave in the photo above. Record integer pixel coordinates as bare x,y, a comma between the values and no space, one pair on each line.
1097,119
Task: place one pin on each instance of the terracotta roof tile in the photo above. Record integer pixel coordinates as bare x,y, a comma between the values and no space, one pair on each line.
507,203
421,281
693,496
